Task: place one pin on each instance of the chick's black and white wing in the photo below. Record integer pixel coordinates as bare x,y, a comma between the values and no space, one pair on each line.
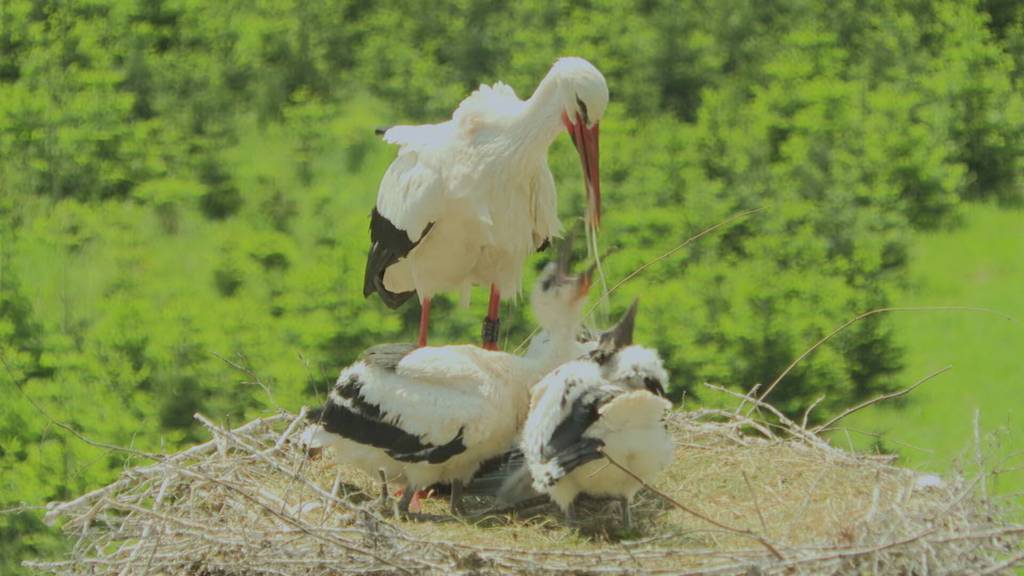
349,414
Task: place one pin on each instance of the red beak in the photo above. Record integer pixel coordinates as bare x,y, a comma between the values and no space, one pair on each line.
586,141
584,281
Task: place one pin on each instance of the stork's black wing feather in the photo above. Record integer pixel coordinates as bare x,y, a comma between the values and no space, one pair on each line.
362,422
434,454
572,457
568,448
582,414
388,244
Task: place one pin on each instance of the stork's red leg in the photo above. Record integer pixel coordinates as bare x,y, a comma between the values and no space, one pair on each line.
414,501
424,320
491,323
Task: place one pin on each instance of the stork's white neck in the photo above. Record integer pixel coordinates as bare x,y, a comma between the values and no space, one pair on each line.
541,120
561,346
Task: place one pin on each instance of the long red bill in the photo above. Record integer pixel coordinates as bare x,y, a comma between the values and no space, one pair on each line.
587,146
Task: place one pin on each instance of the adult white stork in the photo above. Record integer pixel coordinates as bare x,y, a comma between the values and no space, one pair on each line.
434,414
612,402
467,200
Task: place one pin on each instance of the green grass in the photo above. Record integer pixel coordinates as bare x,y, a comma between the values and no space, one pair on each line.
980,264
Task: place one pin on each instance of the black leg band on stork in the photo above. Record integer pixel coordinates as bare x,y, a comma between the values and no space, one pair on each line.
490,331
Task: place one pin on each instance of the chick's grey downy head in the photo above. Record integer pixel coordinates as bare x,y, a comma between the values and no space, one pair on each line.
626,364
558,295
638,368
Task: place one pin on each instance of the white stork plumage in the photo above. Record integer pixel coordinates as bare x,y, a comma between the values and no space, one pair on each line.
611,402
467,200
433,414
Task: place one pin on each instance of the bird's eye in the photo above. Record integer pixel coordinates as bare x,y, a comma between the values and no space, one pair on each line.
583,109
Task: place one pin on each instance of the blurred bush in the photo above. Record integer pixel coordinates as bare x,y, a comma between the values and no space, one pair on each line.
181,178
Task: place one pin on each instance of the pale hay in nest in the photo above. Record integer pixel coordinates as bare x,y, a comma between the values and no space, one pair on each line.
250,502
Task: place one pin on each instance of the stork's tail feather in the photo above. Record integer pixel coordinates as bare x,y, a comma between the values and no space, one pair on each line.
493,473
377,262
388,244
381,130
517,487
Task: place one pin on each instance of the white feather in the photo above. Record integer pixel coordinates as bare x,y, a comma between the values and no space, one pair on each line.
634,434
631,365
437,393
631,425
483,181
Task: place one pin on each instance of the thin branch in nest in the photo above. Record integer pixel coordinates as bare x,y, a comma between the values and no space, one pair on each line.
1005,565
749,395
298,421
67,427
251,374
789,425
55,509
222,432
979,457
807,413
757,504
827,425
677,248
774,551
734,421
868,314
287,518
20,508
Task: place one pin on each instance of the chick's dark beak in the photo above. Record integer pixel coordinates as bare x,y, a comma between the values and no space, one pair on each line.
622,334
564,256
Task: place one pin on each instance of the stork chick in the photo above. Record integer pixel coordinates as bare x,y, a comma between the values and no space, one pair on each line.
467,200
434,414
611,402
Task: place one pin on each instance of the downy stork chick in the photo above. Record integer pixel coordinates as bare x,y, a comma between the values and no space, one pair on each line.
434,414
626,364
468,200
610,403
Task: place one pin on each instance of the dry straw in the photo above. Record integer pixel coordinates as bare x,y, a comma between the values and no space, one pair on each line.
744,496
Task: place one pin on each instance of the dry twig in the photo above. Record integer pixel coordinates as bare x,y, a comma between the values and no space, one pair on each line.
775,552
827,425
868,314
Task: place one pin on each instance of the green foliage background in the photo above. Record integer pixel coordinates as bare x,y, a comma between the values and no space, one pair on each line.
181,179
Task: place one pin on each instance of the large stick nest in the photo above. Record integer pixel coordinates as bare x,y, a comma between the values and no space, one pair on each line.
750,498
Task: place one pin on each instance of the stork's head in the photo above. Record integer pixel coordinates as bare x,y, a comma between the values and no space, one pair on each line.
558,296
626,364
584,97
